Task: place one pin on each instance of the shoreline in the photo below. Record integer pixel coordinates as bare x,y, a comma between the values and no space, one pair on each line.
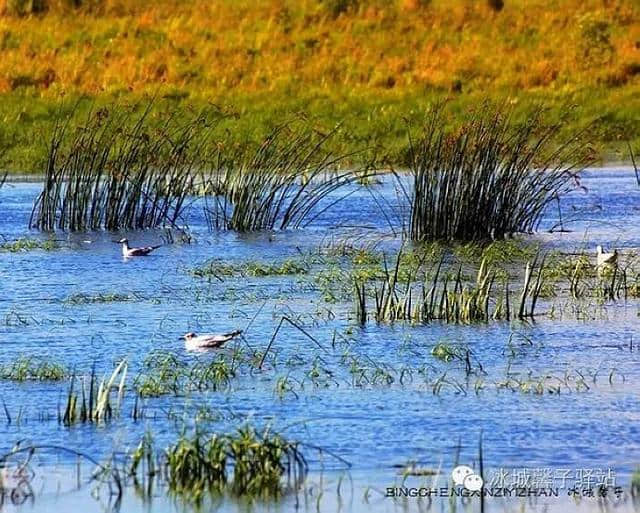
611,166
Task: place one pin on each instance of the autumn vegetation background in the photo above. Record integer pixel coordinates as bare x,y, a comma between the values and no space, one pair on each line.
370,64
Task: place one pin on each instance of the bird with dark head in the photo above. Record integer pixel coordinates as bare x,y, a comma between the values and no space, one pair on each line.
134,252
193,341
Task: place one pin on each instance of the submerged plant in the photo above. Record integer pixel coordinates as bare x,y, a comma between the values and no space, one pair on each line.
489,179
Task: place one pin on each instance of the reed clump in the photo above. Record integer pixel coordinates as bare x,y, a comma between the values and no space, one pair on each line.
120,170
94,401
447,296
489,179
283,183
164,374
245,464
579,276
25,368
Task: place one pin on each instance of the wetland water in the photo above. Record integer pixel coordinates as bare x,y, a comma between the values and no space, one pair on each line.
377,425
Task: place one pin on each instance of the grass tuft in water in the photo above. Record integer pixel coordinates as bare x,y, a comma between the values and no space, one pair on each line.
30,369
121,170
27,244
245,464
279,184
406,292
489,179
164,374
95,402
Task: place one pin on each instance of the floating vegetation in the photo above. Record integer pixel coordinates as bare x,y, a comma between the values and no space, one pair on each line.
164,374
26,368
509,252
120,170
244,464
94,403
28,244
281,184
445,352
218,269
109,297
489,179
530,383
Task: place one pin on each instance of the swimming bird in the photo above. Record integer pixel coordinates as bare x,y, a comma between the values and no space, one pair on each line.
606,259
133,252
193,341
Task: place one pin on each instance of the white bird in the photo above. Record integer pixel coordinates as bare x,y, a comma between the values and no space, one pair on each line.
606,259
133,252
193,341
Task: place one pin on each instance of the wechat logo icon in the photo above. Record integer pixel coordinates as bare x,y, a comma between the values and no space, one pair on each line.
463,475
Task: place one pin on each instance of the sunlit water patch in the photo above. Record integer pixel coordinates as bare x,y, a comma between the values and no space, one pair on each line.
556,393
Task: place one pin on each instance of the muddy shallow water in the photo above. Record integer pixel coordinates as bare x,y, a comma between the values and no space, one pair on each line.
375,427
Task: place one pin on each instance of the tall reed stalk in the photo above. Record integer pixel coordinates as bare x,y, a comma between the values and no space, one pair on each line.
120,170
490,178
246,464
283,183
95,403
446,298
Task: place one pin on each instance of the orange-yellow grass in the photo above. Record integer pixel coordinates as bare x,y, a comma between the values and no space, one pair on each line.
371,64
210,47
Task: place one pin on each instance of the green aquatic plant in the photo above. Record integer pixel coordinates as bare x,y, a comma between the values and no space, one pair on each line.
164,374
161,374
360,302
246,464
578,274
407,292
510,251
488,179
258,462
107,297
279,184
219,270
635,483
121,169
94,403
26,368
197,465
445,352
285,385
28,244
214,375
